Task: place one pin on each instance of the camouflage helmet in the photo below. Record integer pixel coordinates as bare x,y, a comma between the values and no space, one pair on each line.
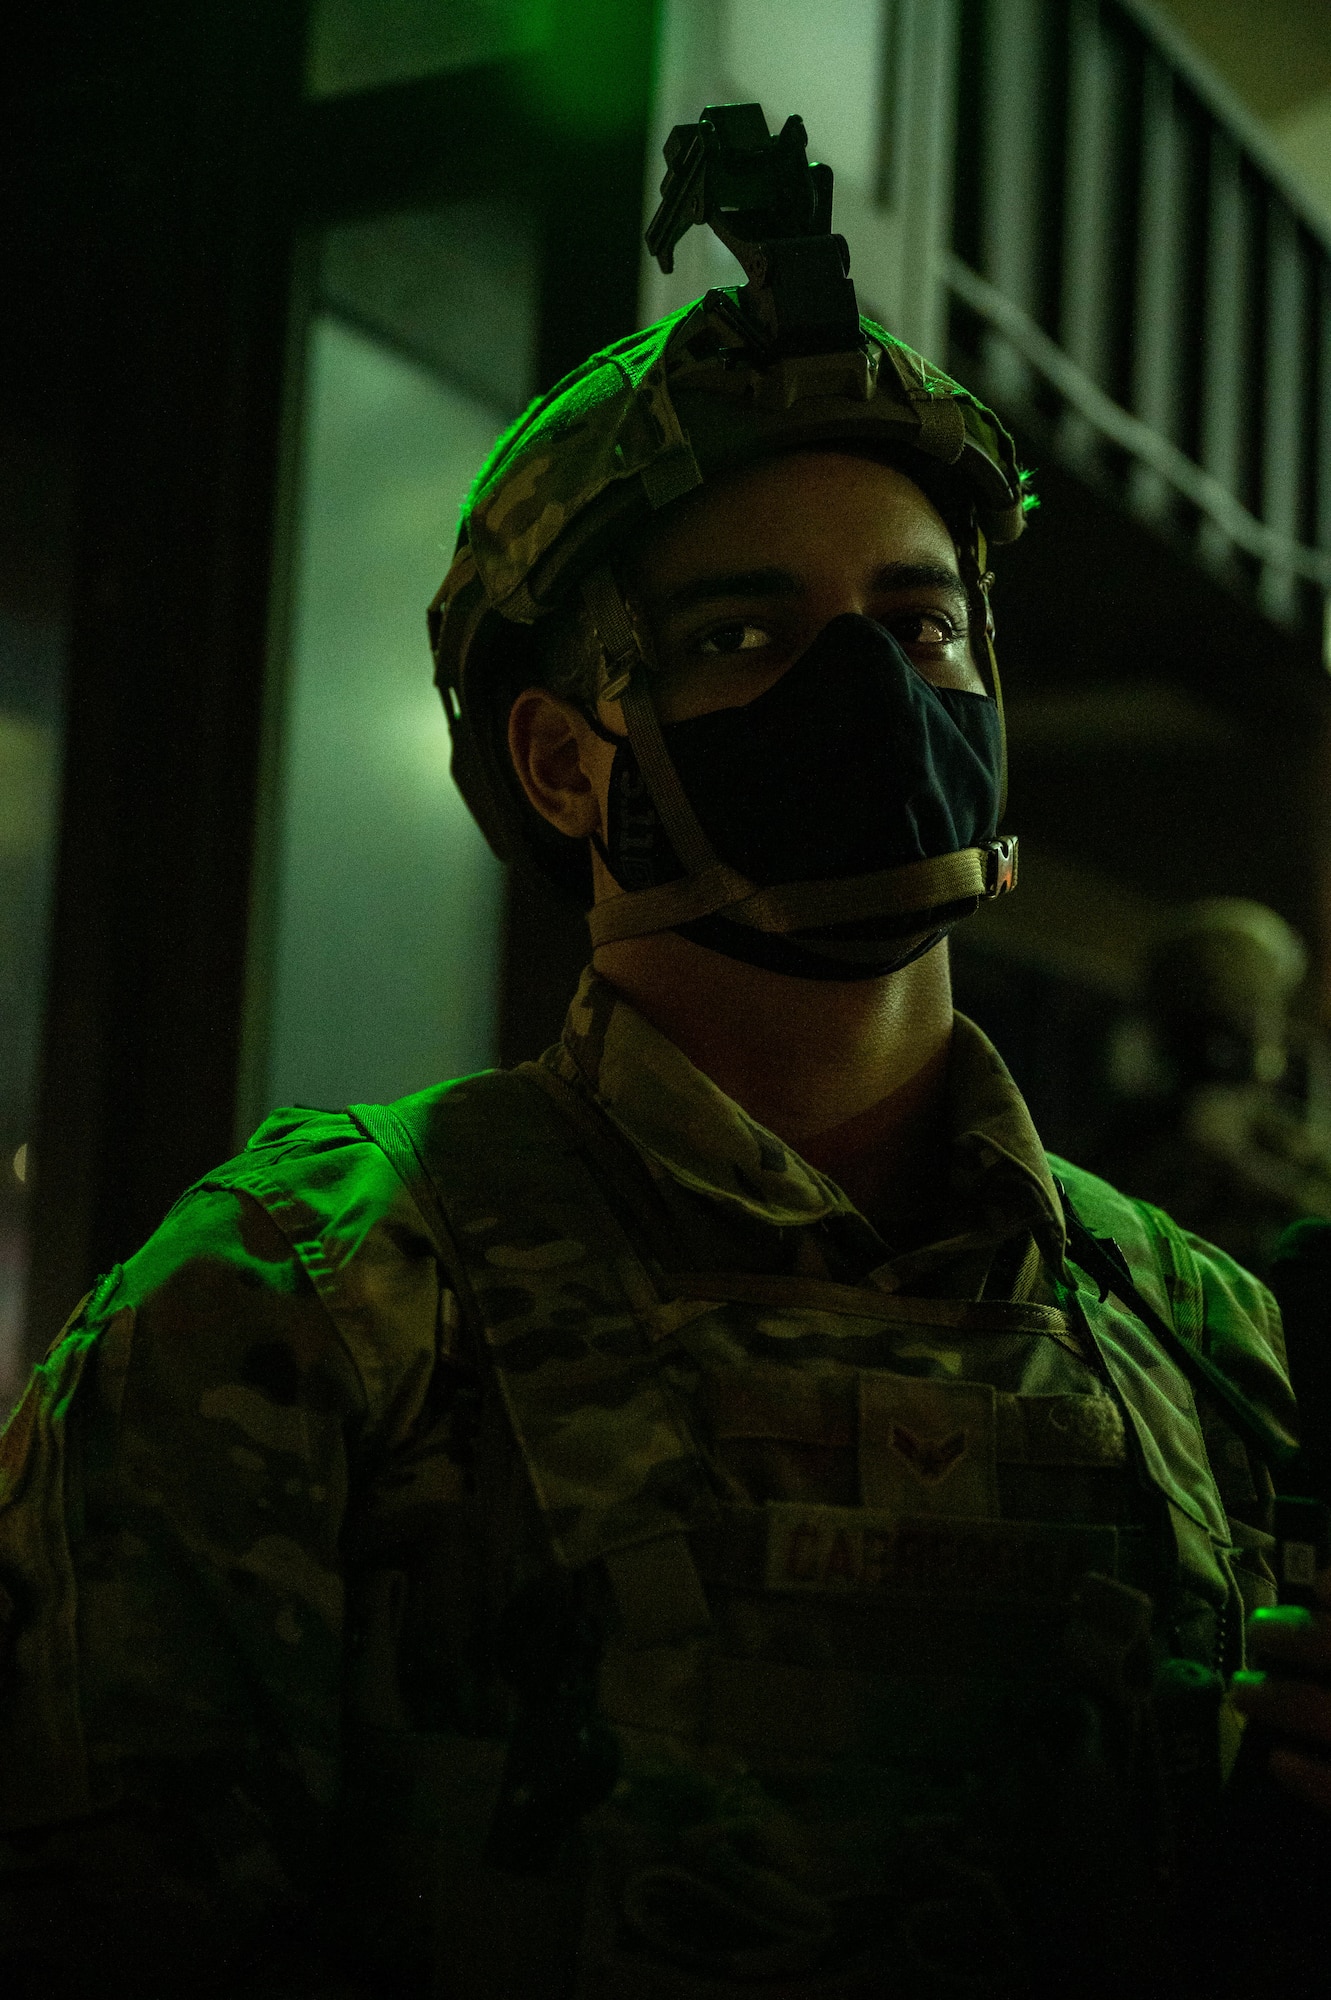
1219,980
781,363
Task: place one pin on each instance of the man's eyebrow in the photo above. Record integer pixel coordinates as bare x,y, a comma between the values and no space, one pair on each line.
733,583
919,576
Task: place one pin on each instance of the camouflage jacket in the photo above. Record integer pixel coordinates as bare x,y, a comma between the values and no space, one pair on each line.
276,1405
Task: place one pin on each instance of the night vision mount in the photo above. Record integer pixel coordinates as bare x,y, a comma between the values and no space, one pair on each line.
772,208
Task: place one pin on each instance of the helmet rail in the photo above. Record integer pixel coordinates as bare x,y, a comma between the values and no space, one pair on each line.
772,208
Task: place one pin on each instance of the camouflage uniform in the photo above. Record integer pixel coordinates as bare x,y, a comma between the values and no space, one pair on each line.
315,1586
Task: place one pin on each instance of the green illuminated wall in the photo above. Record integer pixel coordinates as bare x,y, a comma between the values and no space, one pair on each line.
31,688
388,902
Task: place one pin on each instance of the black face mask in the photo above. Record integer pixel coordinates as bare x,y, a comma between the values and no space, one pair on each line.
850,764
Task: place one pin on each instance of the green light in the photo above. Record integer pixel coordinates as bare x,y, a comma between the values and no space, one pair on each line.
586,81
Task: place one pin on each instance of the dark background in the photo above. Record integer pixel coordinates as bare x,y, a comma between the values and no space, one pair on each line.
165,176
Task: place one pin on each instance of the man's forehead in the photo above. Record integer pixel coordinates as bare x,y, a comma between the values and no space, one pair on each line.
788,518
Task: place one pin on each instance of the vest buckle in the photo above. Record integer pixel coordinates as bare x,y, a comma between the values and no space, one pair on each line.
1000,864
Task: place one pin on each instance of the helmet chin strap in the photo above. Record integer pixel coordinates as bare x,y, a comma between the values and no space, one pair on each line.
938,891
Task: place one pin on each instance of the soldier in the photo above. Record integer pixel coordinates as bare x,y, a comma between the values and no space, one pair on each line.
1222,1146
711,1511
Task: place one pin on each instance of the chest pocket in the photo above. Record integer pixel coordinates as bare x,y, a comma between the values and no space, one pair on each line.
871,1529
915,1446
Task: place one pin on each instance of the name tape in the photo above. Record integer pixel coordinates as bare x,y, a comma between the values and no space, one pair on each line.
853,1551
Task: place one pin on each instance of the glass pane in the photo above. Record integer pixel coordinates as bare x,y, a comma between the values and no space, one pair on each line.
824,63
362,44
451,288
387,902
388,899
31,682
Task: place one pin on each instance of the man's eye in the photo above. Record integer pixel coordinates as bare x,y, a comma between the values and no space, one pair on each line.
924,628
738,637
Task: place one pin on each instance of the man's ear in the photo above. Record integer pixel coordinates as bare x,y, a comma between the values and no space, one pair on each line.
557,759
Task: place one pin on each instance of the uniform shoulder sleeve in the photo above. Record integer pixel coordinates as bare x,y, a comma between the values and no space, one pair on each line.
1229,1315
1215,1304
355,1232
173,1500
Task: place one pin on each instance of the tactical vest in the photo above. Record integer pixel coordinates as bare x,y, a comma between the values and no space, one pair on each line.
909,1613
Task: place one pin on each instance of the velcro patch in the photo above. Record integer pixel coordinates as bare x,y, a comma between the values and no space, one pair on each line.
1060,1430
856,1551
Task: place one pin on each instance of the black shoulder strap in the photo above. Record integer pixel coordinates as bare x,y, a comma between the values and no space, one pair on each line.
1101,1258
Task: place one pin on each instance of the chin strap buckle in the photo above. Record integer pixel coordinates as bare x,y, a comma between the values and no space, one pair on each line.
1000,865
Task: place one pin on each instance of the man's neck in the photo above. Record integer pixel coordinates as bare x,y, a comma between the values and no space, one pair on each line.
806,1058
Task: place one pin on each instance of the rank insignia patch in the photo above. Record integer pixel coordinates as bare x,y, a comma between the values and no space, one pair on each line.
928,1446
929,1458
